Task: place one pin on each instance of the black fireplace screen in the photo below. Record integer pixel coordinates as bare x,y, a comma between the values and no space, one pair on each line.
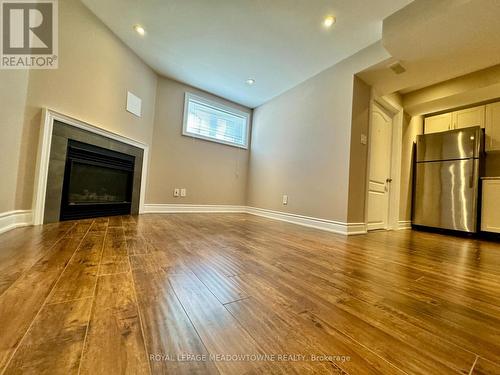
97,182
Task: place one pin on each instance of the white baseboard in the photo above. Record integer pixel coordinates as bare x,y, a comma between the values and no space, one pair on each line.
191,208
404,224
15,219
313,222
323,224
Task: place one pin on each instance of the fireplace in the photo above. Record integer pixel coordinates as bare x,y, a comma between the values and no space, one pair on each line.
97,182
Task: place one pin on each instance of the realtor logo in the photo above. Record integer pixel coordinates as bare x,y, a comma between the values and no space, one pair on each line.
28,34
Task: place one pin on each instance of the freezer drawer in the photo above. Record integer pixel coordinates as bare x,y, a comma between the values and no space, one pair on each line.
446,194
455,144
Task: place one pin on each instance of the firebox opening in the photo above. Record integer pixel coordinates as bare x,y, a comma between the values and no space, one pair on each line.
97,182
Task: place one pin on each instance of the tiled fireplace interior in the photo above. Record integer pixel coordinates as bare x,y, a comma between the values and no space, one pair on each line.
90,175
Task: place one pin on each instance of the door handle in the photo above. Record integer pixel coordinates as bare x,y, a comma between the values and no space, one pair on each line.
473,174
387,182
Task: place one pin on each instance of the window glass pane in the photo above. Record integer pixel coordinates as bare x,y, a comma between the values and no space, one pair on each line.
220,124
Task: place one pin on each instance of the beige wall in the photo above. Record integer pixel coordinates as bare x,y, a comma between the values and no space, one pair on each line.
301,143
13,91
302,138
95,71
359,152
212,173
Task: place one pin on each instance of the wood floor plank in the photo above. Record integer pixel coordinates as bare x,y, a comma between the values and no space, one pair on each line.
277,335
484,367
115,221
366,307
168,331
457,311
114,343
460,336
115,254
219,331
80,228
218,257
224,288
138,245
99,225
21,302
168,263
326,313
401,302
20,249
79,278
323,338
54,343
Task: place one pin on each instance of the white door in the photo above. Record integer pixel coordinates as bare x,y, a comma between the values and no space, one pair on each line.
379,157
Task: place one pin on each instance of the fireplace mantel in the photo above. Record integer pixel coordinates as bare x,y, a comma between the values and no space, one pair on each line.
43,157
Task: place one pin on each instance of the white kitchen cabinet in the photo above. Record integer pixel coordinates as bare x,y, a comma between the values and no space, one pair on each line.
468,117
492,125
464,118
438,123
490,212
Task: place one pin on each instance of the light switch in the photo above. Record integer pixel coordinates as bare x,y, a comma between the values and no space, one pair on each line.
364,139
285,199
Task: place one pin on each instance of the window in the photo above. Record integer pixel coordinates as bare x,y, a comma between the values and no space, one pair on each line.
215,122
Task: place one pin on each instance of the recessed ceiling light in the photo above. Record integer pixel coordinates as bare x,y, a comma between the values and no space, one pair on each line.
139,30
329,21
250,81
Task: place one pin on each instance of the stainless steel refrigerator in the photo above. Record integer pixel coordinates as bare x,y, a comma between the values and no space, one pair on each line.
447,179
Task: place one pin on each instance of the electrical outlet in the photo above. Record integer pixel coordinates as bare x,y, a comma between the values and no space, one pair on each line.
364,139
183,192
176,192
285,200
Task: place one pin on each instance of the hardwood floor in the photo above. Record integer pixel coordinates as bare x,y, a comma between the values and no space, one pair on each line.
239,294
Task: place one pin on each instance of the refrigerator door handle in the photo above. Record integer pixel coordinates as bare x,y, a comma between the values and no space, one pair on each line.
472,176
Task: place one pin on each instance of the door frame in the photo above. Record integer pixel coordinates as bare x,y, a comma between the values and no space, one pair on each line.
395,111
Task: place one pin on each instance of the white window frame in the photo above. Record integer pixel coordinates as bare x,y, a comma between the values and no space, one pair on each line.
219,106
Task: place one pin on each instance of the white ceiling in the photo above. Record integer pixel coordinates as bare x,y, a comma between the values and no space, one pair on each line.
216,45
437,41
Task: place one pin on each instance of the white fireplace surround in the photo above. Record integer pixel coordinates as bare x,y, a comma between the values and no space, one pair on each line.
42,163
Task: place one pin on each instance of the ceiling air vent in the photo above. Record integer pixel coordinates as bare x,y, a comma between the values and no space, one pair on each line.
397,67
